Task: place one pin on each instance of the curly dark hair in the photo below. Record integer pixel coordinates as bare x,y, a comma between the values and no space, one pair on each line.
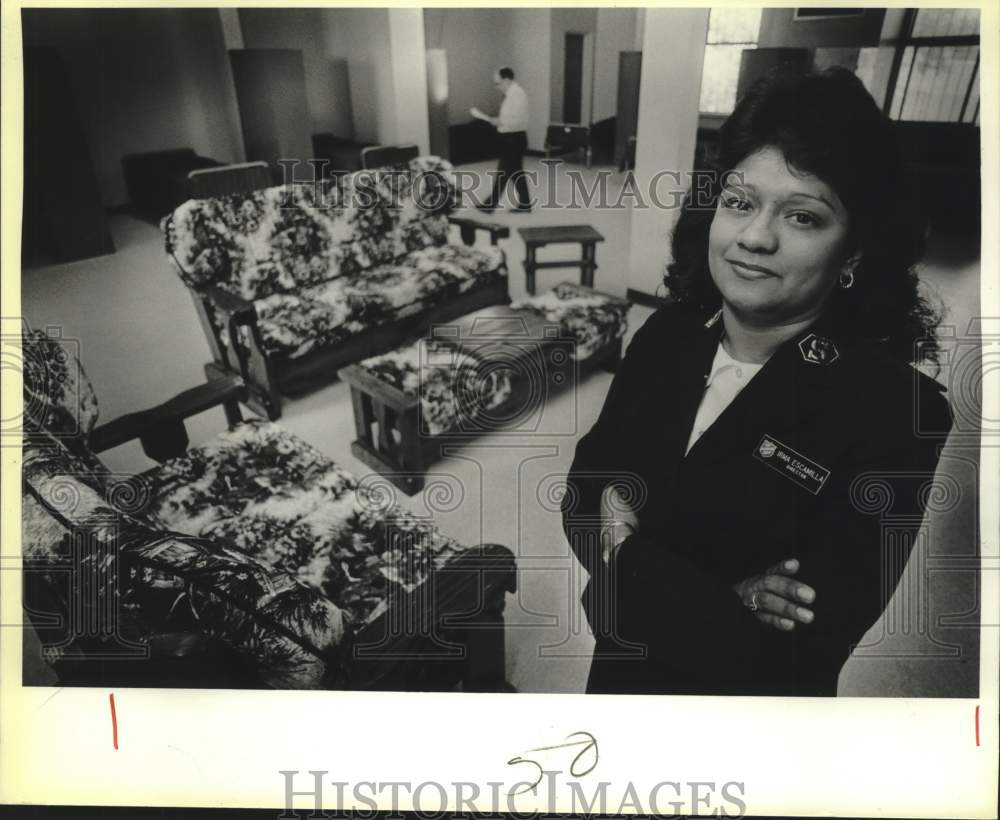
826,124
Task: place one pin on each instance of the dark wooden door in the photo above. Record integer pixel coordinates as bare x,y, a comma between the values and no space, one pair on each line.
274,113
573,78
64,215
627,115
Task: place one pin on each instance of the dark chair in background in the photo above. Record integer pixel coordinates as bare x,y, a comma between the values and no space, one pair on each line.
382,156
564,137
157,181
343,156
628,157
602,140
242,178
706,141
472,142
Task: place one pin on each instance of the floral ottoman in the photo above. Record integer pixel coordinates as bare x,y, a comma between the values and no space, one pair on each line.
475,375
597,321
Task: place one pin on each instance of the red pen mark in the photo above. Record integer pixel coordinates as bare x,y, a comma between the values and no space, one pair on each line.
977,725
114,722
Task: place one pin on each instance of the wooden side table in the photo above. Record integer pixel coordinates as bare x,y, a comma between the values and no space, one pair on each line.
535,238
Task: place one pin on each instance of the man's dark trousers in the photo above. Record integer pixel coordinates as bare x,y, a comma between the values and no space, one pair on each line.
511,168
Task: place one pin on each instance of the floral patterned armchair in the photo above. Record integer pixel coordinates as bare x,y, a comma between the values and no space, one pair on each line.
295,281
250,561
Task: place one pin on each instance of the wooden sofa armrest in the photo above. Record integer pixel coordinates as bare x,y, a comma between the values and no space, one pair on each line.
468,228
485,633
230,303
453,623
239,317
161,429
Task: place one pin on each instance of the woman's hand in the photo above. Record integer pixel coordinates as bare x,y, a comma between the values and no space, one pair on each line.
618,521
777,598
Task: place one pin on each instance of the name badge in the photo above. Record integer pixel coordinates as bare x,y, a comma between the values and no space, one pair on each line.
792,465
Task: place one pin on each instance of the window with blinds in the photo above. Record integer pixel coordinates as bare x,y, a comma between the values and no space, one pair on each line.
935,63
730,31
936,68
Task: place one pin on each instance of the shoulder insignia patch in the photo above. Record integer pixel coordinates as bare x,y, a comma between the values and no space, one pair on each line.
818,349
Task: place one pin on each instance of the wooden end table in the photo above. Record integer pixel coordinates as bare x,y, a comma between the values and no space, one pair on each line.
535,238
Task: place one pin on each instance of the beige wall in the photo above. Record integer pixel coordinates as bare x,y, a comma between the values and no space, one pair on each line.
383,50
530,44
640,29
778,27
672,54
476,42
616,32
360,37
143,80
408,59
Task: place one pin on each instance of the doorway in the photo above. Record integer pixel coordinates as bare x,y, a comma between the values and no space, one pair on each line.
578,78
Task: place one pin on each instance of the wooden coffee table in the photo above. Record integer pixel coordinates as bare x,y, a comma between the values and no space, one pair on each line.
535,238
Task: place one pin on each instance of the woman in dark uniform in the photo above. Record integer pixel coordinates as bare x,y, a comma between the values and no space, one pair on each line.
729,503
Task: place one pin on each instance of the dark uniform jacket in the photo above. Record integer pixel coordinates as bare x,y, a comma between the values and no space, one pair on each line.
805,463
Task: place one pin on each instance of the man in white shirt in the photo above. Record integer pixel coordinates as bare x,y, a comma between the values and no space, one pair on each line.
511,124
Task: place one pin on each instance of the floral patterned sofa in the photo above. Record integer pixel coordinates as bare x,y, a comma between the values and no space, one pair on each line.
250,561
295,281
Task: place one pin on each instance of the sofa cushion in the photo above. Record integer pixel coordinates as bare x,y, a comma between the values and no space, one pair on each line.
281,501
59,400
594,319
285,238
316,317
170,581
454,386
58,396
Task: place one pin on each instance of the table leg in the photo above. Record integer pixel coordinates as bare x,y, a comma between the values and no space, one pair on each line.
362,415
384,443
589,265
411,446
529,270
485,662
